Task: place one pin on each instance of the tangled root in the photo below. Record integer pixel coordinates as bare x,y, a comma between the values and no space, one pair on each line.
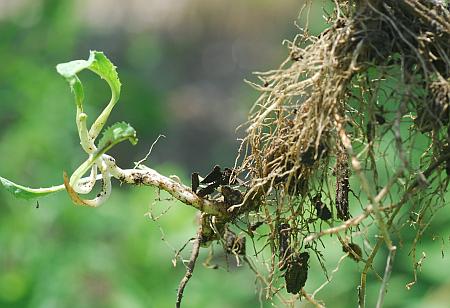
358,115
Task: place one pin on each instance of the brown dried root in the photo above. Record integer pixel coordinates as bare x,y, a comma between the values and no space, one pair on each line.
190,267
346,109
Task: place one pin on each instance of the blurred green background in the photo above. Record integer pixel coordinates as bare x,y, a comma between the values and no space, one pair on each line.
182,65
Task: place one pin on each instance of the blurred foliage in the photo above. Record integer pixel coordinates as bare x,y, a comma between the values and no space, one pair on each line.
184,81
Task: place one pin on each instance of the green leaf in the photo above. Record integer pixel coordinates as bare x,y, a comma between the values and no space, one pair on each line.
99,64
75,85
70,69
106,70
115,134
23,192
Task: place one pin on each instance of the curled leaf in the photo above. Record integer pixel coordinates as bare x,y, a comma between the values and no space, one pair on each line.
103,67
97,201
115,134
97,63
72,193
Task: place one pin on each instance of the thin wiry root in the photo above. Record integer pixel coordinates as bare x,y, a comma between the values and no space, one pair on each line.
189,268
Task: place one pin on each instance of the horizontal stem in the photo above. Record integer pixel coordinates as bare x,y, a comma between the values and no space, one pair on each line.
151,177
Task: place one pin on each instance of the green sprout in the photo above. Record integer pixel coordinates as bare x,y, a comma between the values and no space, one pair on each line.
96,161
100,165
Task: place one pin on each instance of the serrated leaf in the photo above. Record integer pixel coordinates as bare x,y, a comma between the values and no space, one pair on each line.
106,70
115,134
23,192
